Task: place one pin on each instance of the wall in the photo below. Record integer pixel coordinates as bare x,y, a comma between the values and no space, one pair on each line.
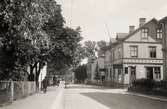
143,50
14,90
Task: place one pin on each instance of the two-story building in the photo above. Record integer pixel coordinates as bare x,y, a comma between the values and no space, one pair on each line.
138,54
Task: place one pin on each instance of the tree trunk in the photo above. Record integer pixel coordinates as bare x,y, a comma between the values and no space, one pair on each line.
37,73
31,75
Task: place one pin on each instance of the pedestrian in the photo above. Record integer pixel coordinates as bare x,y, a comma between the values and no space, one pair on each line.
45,84
54,80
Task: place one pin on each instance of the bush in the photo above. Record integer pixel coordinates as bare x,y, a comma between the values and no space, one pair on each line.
148,85
143,83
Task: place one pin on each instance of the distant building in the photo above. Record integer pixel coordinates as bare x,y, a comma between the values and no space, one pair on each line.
95,68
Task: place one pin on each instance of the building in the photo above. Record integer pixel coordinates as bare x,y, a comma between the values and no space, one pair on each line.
138,54
163,23
95,69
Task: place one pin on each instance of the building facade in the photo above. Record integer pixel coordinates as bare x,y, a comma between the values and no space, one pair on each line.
138,54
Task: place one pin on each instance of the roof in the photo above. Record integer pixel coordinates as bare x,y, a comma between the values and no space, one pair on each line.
163,19
121,36
152,20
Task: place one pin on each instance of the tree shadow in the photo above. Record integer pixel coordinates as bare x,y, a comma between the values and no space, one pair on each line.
124,101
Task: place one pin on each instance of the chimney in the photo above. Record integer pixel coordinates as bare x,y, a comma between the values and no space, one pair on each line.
131,28
142,21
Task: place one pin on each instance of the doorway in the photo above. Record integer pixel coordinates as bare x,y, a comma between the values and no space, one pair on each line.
149,73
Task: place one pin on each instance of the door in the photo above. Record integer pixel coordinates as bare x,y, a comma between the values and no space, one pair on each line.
150,73
132,74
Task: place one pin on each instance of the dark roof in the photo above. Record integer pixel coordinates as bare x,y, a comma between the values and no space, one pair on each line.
163,19
121,36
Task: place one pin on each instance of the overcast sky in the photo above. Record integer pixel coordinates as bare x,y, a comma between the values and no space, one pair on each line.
97,17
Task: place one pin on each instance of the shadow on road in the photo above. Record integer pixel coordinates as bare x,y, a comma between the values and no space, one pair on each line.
123,101
84,86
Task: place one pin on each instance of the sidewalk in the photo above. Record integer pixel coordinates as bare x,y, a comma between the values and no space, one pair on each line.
154,97
49,100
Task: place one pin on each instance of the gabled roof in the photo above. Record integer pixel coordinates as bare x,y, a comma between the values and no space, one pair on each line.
135,31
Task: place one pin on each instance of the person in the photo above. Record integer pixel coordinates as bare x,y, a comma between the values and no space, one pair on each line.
54,80
45,84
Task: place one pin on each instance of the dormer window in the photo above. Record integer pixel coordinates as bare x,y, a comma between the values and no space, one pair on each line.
159,33
144,33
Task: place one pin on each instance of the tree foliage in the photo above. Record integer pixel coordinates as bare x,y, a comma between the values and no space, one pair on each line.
101,46
90,48
80,73
33,33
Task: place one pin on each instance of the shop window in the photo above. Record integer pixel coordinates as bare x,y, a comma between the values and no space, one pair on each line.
157,72
126,70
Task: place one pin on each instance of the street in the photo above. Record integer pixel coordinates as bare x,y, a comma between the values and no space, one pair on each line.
85,97
91,97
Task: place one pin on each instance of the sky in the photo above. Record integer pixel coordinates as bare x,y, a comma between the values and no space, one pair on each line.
102,19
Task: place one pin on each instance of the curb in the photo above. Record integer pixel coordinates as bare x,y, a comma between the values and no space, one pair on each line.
147,96
58,103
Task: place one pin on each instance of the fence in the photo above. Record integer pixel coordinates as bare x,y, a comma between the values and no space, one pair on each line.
14,90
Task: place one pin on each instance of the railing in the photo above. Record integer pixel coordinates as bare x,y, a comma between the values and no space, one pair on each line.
14,90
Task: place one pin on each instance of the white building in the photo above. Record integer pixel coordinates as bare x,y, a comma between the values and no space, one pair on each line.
138,54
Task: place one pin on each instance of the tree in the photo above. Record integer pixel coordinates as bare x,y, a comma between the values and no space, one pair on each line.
90,48
101,45
21,35
33,33
80,73
64,54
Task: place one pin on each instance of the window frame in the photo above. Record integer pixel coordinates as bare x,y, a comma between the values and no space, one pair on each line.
152,53
126,70
144,33
157,71
159,33
134,51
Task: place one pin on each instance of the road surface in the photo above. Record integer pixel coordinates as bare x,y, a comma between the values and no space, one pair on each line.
91,97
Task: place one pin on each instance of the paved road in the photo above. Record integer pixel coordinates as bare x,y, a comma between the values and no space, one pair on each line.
89,97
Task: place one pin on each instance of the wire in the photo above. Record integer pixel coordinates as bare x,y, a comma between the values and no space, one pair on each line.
71,9
107,30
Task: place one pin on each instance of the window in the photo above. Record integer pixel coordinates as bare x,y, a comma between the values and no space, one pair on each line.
133,51
119,52
133,71
144,33
126,70
157,72
159,33
152,52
